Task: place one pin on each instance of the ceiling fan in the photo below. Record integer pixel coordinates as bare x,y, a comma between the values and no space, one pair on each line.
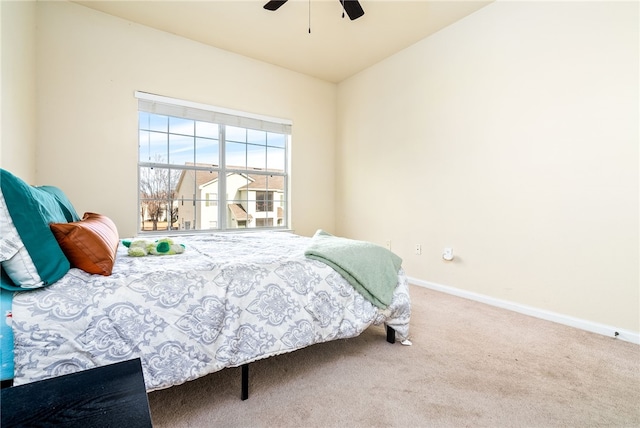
351,7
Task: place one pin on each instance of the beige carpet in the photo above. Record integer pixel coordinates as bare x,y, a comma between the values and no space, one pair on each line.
471,365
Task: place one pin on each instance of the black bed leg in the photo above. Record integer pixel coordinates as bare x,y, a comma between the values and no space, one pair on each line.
391,335
245,382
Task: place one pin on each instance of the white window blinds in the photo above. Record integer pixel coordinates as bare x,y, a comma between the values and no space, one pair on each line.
158,104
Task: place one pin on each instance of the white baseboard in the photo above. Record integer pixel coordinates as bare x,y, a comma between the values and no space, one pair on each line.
605,330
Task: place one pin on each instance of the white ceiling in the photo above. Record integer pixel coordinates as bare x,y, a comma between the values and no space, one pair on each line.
337,47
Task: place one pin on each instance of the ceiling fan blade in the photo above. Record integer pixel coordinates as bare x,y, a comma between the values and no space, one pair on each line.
274,4
352,8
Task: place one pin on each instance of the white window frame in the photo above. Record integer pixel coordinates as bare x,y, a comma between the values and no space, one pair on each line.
173,107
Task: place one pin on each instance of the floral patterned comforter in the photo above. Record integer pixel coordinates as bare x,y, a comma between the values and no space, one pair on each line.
229,299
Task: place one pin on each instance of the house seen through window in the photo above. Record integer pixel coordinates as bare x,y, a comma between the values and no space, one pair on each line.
204,169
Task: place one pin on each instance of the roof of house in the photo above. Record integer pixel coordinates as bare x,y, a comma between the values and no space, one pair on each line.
257,181
264,182
239,213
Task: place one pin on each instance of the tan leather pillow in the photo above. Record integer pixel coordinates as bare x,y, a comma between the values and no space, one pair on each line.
90,244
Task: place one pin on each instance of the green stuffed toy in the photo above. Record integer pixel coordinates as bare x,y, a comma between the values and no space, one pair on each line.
161,247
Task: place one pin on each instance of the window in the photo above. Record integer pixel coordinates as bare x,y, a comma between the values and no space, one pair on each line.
264,222
264,201
206,168
212,200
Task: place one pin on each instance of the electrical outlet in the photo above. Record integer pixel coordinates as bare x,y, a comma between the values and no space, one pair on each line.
388,244
418,249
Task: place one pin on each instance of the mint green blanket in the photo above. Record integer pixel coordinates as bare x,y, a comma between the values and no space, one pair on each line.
369,268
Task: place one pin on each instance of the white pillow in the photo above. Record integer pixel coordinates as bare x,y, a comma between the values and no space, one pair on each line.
10,242
14,256
21,270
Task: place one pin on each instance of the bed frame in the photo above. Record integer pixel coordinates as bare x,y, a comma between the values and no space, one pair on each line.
244,394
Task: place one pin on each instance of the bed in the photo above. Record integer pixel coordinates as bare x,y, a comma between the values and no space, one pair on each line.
229,299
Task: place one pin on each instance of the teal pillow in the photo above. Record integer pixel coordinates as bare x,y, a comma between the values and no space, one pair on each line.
31,210
65,204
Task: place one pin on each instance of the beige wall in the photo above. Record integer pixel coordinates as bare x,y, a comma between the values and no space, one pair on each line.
511,136
90,64
17,90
